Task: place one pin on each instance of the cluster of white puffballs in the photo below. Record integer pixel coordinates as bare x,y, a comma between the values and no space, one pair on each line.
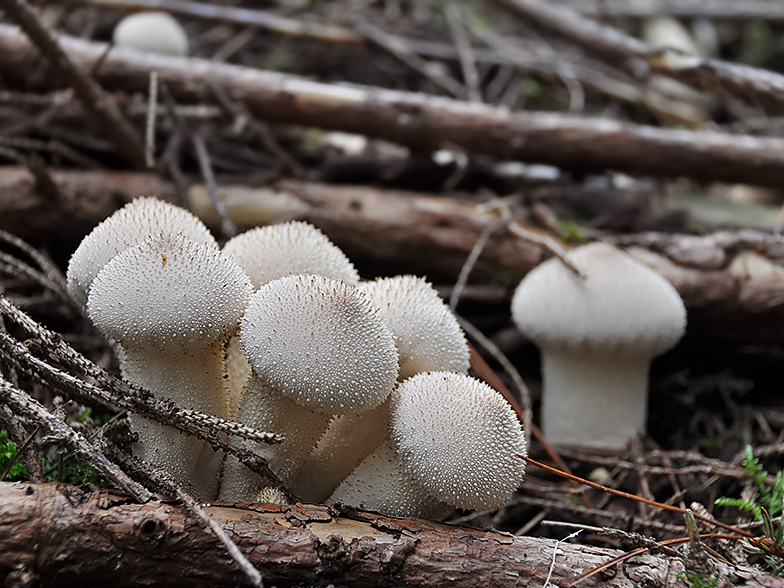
366,381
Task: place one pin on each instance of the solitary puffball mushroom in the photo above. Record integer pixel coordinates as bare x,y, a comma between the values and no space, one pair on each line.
127,227
317,348
153,32
427,338
454,440
597,337
171,304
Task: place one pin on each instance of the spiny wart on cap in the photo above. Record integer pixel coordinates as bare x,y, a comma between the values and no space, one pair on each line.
127,227
427,334
454,443
285,249
597,336
169,289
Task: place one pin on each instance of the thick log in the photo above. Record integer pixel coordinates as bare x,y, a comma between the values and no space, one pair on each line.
426,123
388,232
55,535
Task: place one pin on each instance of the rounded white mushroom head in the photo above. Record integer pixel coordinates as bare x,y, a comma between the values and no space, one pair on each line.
154,32
427,334
458,438
622,307
169,290
125,228
321,343
275,251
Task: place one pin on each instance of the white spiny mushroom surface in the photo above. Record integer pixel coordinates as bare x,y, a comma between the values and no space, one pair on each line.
169,291
321,343
153,31
126,228
623,305
427,334
381,484
458,438
285,249
171,304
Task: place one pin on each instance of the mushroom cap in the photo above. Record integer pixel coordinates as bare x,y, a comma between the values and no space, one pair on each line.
153,31
321,343
169,290
458,438
622,306
125,228
427,334
285,249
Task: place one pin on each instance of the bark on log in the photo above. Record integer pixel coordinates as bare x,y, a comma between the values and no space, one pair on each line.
399,232
56,535
427,123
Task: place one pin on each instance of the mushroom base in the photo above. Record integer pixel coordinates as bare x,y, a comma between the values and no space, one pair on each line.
266,410
594,400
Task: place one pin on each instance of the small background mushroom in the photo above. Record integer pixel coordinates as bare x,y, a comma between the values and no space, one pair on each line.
597,337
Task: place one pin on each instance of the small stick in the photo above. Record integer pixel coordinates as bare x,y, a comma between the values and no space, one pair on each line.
152,107
622,494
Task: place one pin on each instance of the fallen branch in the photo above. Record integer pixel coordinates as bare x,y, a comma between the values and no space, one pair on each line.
427,123
65,535
403,232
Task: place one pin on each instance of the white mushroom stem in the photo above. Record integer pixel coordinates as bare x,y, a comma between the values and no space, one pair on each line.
611,407
348,440
301,428
172,304
381,484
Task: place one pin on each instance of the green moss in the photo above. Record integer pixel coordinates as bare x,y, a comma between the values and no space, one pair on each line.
8,451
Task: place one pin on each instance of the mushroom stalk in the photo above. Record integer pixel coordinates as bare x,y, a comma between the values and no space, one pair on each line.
269,411
181,374
611,406
380,483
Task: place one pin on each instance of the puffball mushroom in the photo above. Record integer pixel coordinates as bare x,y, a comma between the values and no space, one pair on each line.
285,249
127,227
317,348
597,337
454,443
153,32
427,338
275,251
172,304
